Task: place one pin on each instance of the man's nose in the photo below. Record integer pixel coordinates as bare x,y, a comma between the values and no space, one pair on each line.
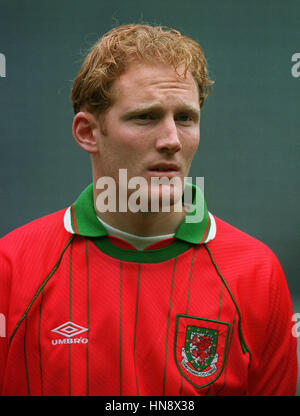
168,140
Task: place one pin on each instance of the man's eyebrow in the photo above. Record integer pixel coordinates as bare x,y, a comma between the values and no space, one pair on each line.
184,107
194,111
141,109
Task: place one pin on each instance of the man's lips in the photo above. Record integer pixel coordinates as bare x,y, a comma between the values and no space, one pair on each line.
164,166
164,169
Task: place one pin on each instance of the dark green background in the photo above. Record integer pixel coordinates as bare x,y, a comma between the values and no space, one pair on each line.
250,125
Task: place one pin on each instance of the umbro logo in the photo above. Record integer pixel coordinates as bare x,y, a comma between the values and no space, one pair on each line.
69,330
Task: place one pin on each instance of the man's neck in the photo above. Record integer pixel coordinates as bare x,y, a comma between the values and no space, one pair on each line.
144,224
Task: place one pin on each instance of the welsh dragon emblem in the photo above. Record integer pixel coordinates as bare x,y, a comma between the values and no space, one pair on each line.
199,353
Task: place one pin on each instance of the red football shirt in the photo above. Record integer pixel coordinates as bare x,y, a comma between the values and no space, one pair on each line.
205,313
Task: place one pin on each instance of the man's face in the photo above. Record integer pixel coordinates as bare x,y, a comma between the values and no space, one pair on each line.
152,129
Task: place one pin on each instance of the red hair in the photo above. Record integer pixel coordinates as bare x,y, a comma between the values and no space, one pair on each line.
110,56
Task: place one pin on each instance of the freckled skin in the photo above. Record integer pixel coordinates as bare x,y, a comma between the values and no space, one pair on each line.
136,143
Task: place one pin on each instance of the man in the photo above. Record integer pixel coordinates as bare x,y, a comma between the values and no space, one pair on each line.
101,299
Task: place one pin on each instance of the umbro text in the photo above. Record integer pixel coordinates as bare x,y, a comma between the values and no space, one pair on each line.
69,341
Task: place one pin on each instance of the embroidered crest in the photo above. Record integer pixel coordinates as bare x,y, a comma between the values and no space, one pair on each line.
199,353
200,348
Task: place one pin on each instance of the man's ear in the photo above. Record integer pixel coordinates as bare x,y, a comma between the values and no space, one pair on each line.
84,129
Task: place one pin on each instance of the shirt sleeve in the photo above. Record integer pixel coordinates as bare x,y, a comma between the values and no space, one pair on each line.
274,371
4,299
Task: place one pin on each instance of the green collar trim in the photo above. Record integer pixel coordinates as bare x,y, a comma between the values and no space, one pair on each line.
83,219
141,256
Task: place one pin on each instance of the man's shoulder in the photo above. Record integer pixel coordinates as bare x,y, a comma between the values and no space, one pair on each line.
36,233
232,243
231,235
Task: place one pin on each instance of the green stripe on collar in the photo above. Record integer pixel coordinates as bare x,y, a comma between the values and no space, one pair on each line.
141,256
83,216
196,225
194,228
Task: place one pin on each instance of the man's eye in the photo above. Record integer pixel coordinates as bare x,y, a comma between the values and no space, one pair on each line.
143,116
184,118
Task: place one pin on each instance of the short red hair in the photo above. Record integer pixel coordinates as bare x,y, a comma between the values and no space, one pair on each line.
110,56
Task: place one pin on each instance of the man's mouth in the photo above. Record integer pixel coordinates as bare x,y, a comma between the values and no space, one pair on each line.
164,169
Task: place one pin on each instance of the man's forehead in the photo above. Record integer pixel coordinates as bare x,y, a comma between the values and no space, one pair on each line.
146,81
151,74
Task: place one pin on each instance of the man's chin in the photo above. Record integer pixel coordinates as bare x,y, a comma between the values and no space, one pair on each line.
164,198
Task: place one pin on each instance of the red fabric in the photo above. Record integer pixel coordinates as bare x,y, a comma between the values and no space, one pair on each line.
128,314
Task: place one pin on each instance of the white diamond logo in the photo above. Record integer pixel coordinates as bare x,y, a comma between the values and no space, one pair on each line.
69,329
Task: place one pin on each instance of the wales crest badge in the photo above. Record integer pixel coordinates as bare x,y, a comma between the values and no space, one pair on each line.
200,348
